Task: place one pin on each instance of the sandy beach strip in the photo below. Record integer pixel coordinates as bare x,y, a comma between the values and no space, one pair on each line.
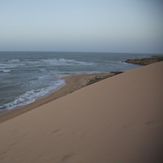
119,119
72,83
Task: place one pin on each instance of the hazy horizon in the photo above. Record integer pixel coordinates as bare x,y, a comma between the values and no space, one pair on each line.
116,26
93,52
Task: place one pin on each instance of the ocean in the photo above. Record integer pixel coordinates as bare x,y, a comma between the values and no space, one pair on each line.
28,76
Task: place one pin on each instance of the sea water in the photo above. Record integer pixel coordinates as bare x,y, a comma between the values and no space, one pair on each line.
28,76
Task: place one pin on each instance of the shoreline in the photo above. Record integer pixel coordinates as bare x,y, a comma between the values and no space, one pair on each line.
118,119
72,83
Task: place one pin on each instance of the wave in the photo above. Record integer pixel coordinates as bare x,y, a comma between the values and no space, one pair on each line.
6,65
10,65
65,62
32,95
52,62
16,63
5,70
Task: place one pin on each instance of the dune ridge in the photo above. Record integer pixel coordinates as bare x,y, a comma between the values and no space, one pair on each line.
119,119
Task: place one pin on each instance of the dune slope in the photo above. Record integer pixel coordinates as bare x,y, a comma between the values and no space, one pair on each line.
119,119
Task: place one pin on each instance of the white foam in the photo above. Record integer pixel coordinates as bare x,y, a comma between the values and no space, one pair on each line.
7,65
32,95
16,63
14,60
5,70
10,65
65,62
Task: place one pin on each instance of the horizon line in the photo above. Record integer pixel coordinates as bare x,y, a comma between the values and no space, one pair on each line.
53,51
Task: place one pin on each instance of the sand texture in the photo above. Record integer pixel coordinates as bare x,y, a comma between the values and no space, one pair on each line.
117,120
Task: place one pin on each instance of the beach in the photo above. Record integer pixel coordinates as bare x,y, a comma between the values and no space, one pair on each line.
29,76
72,83
118,119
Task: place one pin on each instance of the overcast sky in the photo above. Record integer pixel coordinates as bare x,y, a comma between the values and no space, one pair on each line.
82,25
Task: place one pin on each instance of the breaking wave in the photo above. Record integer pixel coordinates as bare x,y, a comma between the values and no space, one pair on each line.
32,95
16,63
65,62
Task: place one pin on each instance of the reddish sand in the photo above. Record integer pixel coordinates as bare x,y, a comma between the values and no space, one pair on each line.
117,120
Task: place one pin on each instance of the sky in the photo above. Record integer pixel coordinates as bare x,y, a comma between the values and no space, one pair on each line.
82,25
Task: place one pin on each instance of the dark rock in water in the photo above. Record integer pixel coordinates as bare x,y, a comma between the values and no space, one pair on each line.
145,61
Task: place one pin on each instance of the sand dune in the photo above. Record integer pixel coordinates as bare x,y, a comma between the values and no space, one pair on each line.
117,120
